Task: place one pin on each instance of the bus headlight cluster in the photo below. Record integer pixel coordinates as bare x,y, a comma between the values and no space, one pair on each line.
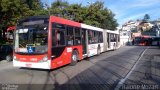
45,58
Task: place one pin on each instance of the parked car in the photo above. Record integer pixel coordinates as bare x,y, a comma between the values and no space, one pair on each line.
6,52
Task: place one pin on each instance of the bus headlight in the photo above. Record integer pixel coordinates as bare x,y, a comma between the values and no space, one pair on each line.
45,58
15,58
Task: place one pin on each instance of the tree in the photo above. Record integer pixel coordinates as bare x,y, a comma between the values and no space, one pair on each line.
58,8
100,16
12,10
109,22
146,17
38,8
95,14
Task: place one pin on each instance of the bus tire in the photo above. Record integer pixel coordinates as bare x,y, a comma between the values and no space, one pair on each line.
98,50
8,58
114,47
74,58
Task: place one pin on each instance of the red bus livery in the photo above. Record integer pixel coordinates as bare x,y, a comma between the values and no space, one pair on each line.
49,42
142,40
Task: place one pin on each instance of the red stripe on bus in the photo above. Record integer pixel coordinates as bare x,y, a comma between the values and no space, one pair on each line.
64,21
65,57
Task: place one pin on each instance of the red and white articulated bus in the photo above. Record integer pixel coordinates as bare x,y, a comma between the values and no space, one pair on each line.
49,42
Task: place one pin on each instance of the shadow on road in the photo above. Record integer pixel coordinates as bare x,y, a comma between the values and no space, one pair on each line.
87,74
102,75
96,77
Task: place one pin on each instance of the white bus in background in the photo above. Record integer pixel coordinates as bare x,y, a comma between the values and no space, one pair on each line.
111,40
94,40
97,40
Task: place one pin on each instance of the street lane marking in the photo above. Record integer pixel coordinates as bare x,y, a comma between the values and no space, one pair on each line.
121,82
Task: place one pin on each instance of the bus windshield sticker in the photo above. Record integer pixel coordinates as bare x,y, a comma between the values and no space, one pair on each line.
69,49
22,49
30,49
22,30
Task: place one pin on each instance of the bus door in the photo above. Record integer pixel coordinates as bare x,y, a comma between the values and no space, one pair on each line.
116,37
108,40
84,41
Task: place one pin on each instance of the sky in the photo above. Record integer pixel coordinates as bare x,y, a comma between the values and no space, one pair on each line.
125,9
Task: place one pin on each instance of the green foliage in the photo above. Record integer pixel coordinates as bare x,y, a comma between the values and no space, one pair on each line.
12,10
95,14
146,17
58,8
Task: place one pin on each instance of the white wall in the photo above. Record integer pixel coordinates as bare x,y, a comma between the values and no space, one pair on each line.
124,37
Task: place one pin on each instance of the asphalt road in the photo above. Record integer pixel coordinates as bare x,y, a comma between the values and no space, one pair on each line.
130,65
146,74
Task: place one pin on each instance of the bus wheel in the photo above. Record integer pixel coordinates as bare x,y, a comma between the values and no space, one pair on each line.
74,58
98,51
9,58
114,47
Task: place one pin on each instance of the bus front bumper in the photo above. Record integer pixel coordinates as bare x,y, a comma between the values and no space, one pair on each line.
39,65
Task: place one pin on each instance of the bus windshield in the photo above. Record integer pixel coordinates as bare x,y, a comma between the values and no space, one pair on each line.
138,40
31,39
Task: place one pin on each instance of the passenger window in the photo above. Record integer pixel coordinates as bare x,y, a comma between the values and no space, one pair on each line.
60,38
77,36
70,35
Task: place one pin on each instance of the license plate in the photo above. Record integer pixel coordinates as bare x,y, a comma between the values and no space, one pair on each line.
28,65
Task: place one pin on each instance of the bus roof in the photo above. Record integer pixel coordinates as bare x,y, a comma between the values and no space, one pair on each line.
144,36
90,27
64,21
52,19
110,31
